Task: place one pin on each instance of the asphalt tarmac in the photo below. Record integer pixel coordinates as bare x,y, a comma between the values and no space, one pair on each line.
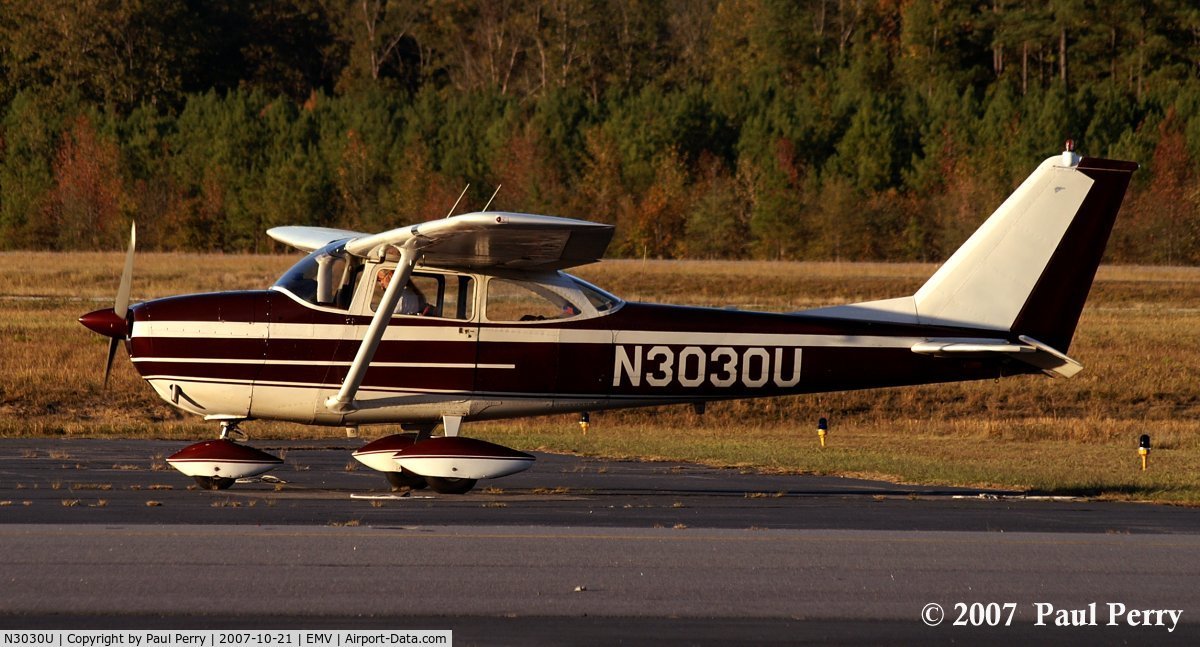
101,534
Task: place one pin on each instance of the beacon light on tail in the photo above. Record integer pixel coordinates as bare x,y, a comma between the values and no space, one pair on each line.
479,322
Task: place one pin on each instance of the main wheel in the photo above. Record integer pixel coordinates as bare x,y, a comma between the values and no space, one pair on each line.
214,482
405,479
450,485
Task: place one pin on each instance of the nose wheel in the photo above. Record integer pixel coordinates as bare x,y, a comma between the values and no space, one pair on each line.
214,482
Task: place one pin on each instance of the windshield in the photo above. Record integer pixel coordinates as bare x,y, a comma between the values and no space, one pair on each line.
325,277
600,300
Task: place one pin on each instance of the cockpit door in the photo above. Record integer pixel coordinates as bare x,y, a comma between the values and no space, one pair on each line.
429,345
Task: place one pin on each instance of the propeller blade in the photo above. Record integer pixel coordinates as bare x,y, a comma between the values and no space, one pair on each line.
121,305
112,352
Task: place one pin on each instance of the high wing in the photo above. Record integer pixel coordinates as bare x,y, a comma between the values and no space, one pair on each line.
474,241
310,238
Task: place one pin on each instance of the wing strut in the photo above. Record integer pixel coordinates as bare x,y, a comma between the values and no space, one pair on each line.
344,400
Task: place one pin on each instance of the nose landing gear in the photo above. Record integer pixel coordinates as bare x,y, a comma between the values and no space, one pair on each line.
218,464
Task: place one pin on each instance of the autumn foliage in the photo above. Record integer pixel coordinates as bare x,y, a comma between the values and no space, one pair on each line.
768,129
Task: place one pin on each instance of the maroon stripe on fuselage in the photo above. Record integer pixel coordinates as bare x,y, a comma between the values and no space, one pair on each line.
199,348
222,372
243,306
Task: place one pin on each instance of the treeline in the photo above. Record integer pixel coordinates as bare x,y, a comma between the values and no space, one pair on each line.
826,129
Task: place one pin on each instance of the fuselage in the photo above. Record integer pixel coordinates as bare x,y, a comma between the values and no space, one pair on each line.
272,354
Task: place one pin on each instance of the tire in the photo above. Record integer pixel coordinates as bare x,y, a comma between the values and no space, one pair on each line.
405,479
214,482
450,485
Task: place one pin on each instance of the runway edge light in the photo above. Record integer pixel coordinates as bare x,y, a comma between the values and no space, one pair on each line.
585,421
1144,449
822,429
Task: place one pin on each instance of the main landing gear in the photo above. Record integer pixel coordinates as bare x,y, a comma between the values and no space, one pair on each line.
447,465
401,481
450,485
381,455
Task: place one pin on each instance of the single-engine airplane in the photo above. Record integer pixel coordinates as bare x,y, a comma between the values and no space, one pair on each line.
471,317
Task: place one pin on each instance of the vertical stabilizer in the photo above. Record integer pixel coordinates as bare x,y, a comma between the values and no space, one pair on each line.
1029,268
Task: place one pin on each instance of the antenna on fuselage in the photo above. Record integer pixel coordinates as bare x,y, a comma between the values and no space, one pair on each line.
460,197
489,202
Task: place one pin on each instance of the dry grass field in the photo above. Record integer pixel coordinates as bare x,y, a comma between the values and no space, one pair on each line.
1139,341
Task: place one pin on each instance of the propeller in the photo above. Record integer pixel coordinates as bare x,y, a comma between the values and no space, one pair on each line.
111,322
121,304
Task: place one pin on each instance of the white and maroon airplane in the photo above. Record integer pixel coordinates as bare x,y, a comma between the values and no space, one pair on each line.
471,318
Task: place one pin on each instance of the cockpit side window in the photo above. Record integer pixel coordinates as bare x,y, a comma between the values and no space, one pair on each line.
450,296
509,300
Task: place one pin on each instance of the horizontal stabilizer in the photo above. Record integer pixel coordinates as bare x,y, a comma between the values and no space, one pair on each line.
1030,351
959,347
1051,361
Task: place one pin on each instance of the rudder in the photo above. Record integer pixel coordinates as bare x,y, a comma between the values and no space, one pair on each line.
1052,311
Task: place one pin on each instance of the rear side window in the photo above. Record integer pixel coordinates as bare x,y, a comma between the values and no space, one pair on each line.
518,301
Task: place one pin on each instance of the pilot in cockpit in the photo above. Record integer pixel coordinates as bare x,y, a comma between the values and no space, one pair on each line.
412,300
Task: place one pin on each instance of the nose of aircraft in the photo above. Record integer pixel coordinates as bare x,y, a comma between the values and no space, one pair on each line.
106,322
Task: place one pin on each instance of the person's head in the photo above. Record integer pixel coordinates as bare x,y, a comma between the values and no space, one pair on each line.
384,278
